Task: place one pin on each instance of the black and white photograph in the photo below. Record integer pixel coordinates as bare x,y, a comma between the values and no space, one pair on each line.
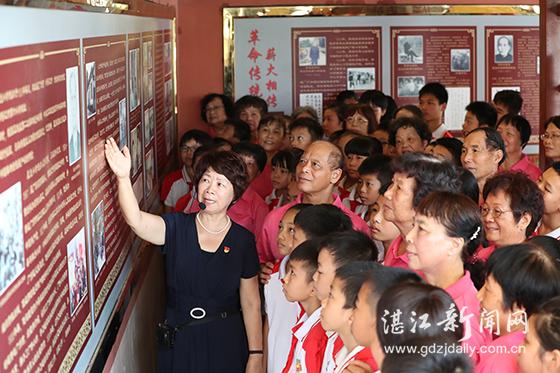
98,234
77,275
312,51
460,60
150,172
169,135
409,86
167,58
503,48
73,115
123,129
133,78
149,125
410,49
91,100
12,255
168,96
135,148
148,86
147,55
360,78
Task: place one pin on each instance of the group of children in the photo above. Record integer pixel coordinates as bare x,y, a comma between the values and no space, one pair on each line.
458,266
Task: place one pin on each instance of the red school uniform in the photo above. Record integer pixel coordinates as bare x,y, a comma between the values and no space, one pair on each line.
308,346
360,353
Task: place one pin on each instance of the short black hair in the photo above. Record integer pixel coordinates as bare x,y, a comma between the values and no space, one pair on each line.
511,99
389,113
364,146
285,159
521,124
469,184
549,244
418,124
379,165
200,151
252,150
555,120
199,136
420,298
493,141
250,101
352,276
345,95
374,97
335,136
547,320
453,145
527,274
307,253
318,221
382,278
312,126
228,164
524,195
437,89
415,110
420,361
349,246
430,174
269,119
226,101
220,141
484,112
241,129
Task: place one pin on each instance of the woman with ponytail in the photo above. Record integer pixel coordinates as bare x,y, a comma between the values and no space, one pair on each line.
447,230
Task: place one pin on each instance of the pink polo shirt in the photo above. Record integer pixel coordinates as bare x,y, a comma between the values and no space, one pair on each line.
463,293
392,259
249,211
526,166
503,362
483,253
266,240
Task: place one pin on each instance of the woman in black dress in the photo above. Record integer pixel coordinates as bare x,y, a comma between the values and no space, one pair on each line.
212,265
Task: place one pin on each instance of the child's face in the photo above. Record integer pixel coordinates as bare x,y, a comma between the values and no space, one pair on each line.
299,235
363,319
331,122
285,239
324,276
252,167
300,138
369,189
229,134
352,162
271,137
333,315
280,177
533,358
382,229
432,110
187,151
491,299
295,286
252,116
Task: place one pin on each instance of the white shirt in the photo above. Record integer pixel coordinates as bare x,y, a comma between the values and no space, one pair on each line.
438,133
282,316
343,358
179,188
301,334
554,234
329,363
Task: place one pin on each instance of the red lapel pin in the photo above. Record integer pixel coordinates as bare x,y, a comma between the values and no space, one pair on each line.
226,249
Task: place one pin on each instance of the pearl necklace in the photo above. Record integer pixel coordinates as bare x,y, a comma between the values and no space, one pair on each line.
210,231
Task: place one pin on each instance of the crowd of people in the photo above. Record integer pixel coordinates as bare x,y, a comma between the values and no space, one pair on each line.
377,240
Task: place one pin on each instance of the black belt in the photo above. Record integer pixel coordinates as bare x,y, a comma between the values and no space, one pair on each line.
198,316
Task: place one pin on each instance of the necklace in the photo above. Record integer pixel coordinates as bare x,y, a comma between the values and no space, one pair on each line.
210,231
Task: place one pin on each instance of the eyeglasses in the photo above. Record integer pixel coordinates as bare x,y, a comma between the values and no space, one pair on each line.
213,108
496,213
356,120
550,136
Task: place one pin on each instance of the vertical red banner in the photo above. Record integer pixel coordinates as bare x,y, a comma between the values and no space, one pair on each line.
43,273
512,62
107,114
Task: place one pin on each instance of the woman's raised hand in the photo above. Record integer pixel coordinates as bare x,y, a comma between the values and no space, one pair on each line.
118,161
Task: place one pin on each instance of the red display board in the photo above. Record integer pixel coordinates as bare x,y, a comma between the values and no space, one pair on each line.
149,115
44,299
512,62
135,83
106,113
329,60
165,100
434,54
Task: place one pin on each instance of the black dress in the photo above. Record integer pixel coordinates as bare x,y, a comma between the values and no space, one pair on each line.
196,278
